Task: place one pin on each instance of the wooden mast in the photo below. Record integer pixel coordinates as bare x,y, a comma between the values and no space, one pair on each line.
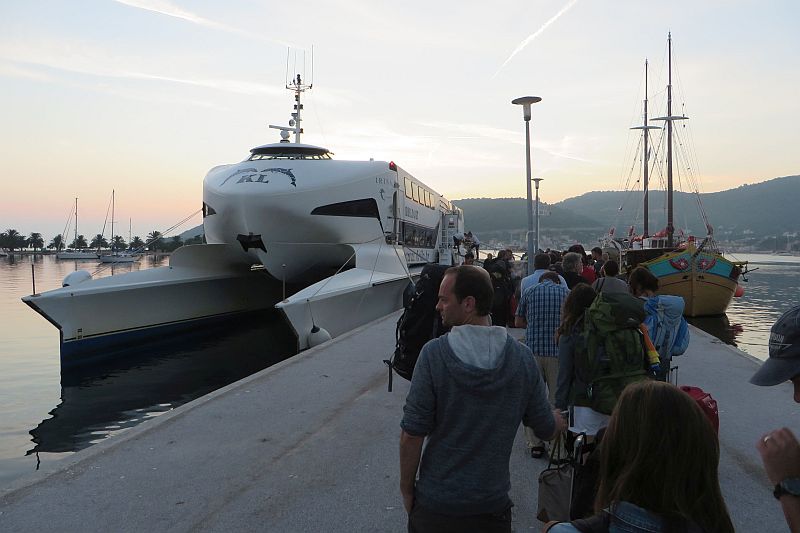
670,224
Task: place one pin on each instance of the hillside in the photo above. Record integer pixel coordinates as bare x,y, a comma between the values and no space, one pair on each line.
765,208
487,215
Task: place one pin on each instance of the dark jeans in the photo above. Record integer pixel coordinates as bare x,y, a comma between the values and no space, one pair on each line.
422,520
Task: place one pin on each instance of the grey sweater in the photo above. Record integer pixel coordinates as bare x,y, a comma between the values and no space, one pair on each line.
470,414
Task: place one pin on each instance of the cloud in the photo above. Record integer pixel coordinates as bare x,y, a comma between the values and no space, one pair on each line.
534,35
163,7
88,60
10,70
564,148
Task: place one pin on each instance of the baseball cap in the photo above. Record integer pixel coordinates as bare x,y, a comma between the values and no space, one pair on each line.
784,351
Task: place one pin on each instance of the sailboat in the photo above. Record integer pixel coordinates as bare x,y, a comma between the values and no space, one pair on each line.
698,272
76,254
116,256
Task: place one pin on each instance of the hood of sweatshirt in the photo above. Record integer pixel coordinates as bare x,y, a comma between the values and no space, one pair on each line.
476,356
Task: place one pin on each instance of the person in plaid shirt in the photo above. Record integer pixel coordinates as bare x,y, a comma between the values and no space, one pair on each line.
539,312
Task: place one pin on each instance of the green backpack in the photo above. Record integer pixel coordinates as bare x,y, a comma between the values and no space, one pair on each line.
609,351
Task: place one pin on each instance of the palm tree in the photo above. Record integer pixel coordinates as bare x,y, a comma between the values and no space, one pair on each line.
36,241
118,243
57,243
80,243
174,243
137,243
11,239
98,241
152,237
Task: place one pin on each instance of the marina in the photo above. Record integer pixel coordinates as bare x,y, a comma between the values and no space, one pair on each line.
246,368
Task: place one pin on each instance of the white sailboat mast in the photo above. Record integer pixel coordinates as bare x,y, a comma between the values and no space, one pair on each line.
113,241
76,220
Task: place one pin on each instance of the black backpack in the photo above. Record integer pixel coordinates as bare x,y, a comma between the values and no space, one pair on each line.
419,323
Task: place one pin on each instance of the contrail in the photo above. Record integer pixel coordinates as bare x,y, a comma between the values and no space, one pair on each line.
165,7
534,35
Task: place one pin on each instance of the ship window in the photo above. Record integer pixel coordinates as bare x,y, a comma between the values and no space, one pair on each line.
418,236
415,191
259,157
409,187
366,207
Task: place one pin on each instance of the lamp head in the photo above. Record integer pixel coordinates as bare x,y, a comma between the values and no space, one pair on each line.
525,102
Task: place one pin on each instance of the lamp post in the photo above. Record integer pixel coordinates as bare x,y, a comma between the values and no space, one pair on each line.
537,180
525,102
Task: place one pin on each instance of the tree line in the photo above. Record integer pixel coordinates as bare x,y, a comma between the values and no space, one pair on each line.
12,240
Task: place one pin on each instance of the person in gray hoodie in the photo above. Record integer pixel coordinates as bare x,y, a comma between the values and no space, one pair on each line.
470,391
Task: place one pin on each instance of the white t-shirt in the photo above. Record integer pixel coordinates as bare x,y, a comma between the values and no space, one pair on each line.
587,420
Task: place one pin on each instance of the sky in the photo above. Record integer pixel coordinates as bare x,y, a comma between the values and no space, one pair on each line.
145,96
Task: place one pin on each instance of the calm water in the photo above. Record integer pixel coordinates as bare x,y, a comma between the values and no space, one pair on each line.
46,415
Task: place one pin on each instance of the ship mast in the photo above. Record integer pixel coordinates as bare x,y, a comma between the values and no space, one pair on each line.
670,225
297,86
645,157
669,118
76,220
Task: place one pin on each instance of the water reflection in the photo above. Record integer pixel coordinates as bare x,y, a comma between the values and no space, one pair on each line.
120,393
718,326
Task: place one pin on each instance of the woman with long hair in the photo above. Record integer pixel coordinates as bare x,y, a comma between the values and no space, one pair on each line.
658,467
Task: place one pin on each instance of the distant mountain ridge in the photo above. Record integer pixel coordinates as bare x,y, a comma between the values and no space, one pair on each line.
765,208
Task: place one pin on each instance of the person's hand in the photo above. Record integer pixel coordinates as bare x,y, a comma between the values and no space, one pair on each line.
561,422
780,453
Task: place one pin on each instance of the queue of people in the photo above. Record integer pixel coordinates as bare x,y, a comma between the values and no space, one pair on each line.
658,455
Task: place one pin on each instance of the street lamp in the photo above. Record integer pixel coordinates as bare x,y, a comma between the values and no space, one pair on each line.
537,180
525,102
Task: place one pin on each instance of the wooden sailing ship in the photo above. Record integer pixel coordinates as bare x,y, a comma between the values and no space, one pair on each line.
698,272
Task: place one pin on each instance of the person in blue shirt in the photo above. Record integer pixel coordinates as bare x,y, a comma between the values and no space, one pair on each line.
539,312
541,264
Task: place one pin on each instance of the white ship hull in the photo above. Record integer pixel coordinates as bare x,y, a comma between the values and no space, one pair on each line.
119,258
68,255
203,282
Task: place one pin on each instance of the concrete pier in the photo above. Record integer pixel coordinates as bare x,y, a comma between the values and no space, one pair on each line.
311,444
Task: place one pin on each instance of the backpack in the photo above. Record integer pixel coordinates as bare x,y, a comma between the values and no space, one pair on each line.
419,323
706,402
609,351
668,330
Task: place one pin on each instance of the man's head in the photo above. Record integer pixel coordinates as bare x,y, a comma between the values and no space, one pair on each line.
784,353
572,262
541,261
469,258
597,253
550,276
465,296
610,268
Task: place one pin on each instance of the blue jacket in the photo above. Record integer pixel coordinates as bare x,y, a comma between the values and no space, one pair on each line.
668,329
626,518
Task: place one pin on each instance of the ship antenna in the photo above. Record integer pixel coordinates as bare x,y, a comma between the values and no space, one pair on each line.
298,87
